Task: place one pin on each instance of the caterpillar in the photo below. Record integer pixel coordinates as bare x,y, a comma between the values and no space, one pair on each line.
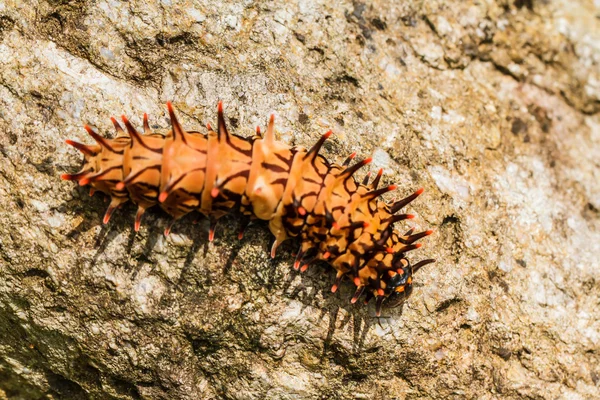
337,218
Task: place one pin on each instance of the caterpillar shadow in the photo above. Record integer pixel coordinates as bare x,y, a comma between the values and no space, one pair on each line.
312,290
108,232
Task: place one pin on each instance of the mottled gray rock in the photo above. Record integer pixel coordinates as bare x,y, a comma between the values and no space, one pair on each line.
493,107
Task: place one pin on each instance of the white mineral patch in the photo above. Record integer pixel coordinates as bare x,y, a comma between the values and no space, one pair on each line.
515,69
296,382
116,11
381,158
234,302
443,26
529,191
592,87
436,112
161,244
111,278
506,264
107,53
56,220
436,95
179,240
440,354
260,373
472,315
391,69
389,66
537,291
147,291
280,32
282,16
453,117
39,205
449,183
382,330
292,312
390,137
232,22
196,15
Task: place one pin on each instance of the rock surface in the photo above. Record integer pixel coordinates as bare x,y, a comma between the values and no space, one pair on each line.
491,106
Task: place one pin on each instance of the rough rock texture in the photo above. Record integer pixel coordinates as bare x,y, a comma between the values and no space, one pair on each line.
492,106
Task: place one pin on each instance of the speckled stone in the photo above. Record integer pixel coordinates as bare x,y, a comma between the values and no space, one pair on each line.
492,106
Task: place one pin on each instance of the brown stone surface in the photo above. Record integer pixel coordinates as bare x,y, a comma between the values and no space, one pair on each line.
493,107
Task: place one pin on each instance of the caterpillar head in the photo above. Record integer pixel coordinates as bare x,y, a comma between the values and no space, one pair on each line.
390,274
398,280
382,269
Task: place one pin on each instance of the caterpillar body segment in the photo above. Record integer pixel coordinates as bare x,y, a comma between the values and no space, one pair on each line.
336,218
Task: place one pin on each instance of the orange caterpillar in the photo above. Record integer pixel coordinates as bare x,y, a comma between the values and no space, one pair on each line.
298,191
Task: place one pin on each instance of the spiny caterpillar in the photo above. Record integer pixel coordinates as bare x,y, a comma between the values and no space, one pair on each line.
336,218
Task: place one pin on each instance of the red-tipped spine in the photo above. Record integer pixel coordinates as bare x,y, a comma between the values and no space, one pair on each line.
81,147
397,206
99,139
